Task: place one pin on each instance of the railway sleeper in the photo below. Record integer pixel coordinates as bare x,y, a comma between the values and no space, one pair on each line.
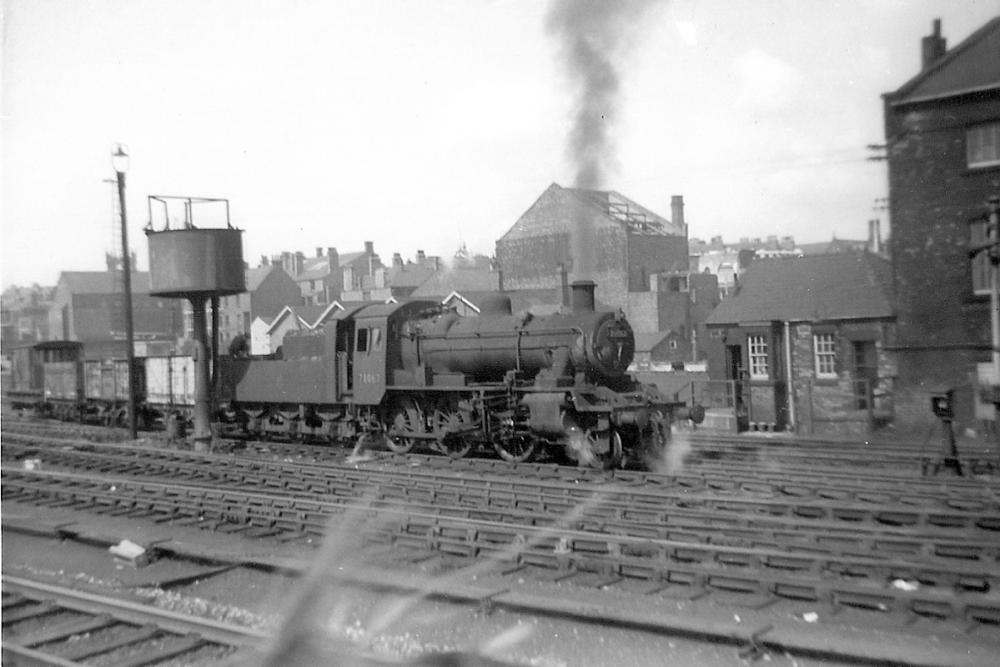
117,640
989,615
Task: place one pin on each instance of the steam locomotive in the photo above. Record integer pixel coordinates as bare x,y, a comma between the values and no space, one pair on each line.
414,374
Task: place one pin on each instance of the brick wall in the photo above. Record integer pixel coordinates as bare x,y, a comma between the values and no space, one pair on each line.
933,196
829,406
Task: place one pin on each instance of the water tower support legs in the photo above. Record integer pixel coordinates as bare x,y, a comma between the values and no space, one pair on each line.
202,412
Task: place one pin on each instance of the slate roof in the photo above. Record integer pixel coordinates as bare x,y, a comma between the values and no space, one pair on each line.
102,282
972,65
809,289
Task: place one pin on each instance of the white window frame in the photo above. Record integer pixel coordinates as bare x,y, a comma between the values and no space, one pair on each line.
757,357
982,145
980,263
825,355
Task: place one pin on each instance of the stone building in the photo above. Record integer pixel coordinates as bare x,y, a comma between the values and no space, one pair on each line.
807,344
942,131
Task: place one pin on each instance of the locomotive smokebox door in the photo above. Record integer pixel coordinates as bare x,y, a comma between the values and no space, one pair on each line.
943,405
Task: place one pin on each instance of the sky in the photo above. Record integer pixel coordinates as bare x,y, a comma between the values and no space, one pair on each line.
426,125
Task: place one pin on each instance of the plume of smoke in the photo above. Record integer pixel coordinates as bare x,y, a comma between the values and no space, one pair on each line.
671,460
594,37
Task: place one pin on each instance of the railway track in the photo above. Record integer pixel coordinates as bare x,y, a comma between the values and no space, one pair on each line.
952,591
800,455
54,625
917,553
977,509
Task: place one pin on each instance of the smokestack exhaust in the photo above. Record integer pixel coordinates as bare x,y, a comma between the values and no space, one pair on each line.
583,296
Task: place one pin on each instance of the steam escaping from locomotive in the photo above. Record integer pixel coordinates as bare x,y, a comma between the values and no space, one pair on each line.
594,37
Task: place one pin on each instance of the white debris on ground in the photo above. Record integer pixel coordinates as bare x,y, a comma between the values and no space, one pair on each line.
194,606
131,553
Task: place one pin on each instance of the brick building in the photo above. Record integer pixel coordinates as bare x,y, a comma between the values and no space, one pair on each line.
808,341
331,275
87,307
24,315
641,264
269,290
942,132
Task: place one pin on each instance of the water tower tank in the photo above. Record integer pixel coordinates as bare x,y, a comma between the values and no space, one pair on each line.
192,262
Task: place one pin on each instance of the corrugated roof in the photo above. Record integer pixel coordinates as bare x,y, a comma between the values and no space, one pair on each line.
972,65
813,288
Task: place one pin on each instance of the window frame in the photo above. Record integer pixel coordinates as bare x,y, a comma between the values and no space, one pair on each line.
825,355
977,139
758,361
980,264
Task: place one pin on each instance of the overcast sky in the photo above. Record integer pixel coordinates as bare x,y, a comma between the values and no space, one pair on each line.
421,125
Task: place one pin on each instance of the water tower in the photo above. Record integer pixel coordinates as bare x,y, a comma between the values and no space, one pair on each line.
199,264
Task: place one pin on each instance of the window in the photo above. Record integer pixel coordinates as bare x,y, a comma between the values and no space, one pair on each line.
672,344
825,351
376,339
981,262
758,357
362,345
982,145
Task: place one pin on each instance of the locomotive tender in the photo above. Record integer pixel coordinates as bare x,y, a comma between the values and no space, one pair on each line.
416,372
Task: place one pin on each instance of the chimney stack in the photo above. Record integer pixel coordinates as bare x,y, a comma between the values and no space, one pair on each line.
421,257
397,260
319,251
677,210
583,296
264,261
370,247
933,46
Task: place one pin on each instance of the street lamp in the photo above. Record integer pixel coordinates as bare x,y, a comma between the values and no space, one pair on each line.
119,162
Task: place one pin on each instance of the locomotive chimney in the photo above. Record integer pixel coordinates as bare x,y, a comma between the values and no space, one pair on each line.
583,296
495,305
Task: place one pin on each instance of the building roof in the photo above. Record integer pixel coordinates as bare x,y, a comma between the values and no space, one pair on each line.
257,275
446,281
645,342
832,246
808,289
558,209
411,275
102,282
970,66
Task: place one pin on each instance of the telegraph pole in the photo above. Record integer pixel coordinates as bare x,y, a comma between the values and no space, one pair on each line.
993,236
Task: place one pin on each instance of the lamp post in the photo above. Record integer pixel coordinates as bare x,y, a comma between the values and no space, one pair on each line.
119,161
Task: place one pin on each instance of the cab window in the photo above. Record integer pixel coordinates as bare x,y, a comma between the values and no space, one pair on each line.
362,345
376,339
